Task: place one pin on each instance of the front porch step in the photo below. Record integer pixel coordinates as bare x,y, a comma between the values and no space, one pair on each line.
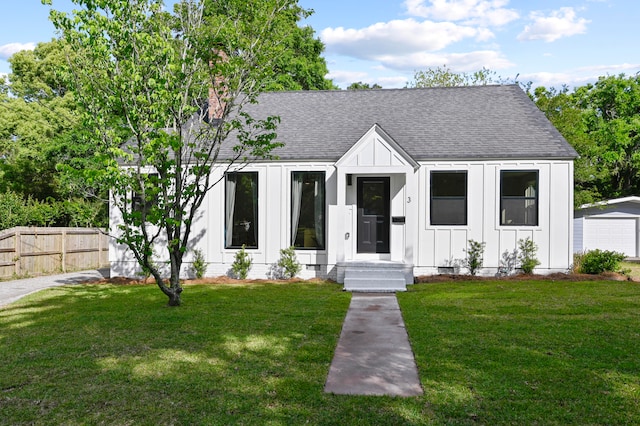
377,276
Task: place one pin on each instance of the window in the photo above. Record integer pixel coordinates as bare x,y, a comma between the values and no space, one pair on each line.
449,198
307,209
144,198
241,210
519,198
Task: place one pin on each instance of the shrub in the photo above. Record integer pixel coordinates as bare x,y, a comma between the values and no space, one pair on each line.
199,265
475,254
288,263
508,262
527,255
241,264
599,261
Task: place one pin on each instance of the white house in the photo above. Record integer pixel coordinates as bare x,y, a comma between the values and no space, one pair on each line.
608,225
375,187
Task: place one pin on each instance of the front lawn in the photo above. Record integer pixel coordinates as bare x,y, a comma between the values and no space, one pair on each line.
488,353
527,352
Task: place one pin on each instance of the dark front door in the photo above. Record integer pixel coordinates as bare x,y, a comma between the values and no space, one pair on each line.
373,215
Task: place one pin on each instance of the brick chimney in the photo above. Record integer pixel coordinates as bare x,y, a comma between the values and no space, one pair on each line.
218,92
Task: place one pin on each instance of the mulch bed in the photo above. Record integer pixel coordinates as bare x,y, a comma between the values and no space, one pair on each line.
607,276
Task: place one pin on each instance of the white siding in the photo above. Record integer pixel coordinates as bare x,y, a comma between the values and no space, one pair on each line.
415,242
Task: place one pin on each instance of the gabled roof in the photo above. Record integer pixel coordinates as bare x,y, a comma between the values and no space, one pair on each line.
474,122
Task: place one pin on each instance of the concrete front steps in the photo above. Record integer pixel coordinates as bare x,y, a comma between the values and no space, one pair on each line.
377,276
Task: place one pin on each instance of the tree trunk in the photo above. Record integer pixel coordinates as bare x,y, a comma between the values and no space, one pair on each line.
174,296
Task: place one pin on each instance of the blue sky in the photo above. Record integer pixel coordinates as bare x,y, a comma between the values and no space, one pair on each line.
548,42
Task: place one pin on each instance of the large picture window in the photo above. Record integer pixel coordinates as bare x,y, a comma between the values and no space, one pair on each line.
241,210
308,210
449,198
519,198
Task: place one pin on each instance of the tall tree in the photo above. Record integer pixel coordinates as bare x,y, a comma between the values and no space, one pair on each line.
299,65
40,129
611,115
602,122
142,74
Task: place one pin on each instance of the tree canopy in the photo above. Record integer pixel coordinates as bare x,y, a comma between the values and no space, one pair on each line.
602,122
363,86
40,131
444,77
141,74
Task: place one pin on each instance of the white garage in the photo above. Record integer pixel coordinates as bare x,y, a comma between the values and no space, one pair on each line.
608,225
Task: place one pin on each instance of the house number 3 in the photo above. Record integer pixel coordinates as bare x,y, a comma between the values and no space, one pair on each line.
408,200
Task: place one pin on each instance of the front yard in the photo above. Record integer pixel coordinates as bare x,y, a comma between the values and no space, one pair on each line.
488,352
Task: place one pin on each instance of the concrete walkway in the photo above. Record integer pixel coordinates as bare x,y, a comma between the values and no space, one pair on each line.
374,356
10,291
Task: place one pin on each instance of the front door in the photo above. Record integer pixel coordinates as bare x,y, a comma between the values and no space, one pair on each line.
373,214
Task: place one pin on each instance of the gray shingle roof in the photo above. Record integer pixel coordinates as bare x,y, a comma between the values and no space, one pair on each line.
476,122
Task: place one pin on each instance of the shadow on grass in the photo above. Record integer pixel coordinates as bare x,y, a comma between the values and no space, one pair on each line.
249,354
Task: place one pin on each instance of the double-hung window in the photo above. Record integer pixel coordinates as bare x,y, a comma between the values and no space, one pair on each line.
519,197
448,198
241,210
308,210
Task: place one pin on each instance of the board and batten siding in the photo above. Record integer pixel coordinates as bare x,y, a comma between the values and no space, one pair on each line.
414,242
442,246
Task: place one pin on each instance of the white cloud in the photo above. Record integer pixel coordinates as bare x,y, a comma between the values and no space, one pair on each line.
459,62
392,82
578,76
7,50
491,13
345,78
398,37
560,23
348,77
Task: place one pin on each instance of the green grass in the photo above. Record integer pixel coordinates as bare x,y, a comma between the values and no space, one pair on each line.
633,268
537,352
487,352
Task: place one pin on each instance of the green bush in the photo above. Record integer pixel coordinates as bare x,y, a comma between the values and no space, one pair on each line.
241,264
598,261
527,255
199,265
20,211
474,259
288,263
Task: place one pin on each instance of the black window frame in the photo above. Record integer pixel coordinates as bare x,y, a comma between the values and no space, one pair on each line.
322,178
433,199
257,212
524,198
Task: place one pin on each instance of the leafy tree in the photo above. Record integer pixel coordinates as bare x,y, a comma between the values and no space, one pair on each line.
299,64
40,129
611,117
142,74
602,122
444,77
563,110
363,86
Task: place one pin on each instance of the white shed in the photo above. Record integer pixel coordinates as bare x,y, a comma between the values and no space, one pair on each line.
608,225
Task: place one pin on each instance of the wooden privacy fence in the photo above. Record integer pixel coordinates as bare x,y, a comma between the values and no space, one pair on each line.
39,251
